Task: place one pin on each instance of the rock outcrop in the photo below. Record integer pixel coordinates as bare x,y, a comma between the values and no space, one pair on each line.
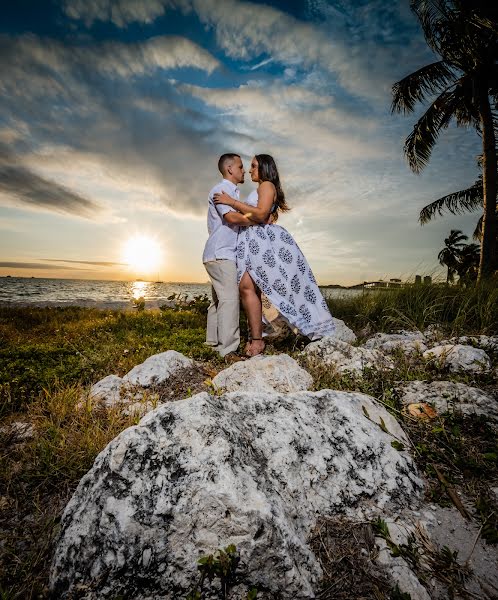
450,396
136,391
342,357
342,332
276,373
158,368
251,469
407,341
459,358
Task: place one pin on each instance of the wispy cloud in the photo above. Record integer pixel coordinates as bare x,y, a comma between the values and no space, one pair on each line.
119,12
22,187
98,263
31,265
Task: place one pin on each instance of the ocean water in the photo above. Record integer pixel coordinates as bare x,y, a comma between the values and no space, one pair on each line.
22,291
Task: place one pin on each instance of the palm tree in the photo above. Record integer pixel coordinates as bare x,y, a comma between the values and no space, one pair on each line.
457,203
468,263
464,33
449,255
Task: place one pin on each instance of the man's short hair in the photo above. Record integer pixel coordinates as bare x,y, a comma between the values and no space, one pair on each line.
225,160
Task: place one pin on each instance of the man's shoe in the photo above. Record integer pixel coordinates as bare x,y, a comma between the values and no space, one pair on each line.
233,357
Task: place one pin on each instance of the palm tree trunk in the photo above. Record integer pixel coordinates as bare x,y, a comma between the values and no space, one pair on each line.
488,262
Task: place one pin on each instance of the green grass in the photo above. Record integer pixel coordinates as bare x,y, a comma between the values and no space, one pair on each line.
456,310
43,347
49,358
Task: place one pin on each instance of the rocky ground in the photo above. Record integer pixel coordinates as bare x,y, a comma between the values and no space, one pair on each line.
322,492
392,439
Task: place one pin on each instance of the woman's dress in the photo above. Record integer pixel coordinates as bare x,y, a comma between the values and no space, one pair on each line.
277,266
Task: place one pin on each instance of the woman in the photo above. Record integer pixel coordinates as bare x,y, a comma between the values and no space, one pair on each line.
269,260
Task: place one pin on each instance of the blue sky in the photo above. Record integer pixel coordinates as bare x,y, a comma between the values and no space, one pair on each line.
113,115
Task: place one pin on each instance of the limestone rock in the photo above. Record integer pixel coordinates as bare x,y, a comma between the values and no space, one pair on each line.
18,431
251,469
343,332
485,342
158,368
277,373
449,396
344,357
459,358
408,341
400,572
109,391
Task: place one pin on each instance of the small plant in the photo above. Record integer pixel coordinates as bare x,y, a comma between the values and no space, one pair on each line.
222,566
139,303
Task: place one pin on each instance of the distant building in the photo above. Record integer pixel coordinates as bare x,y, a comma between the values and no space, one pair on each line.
418,279
392,283
427,280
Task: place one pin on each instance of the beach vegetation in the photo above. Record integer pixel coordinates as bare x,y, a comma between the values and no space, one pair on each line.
50,357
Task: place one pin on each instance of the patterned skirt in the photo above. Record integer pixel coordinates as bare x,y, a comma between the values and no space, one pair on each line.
277,266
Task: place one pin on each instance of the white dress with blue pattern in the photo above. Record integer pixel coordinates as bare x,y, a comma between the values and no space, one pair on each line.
277,266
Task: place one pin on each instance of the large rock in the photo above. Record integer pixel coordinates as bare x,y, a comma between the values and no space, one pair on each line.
158,368
458,358
250,469
449,396
277,373
343,357
407,341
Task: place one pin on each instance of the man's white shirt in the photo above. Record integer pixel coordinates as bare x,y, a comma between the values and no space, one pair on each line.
222,240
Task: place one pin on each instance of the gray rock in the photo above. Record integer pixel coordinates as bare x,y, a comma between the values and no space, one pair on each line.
110,391
18,431
433,333
343,332
158,368
485,342
449,396
400,571
408,341
250,469
277,373
459,358
343,357
113,391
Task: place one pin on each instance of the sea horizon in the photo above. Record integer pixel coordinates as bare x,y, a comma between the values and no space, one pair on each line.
100,293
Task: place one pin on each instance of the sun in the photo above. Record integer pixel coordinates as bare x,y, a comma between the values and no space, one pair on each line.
143,254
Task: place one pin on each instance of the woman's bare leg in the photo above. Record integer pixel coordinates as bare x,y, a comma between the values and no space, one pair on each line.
251,301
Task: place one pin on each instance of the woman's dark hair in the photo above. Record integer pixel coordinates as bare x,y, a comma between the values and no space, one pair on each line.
267,171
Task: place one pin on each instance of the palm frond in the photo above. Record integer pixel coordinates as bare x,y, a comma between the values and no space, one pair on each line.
416,86
421,141
433,16
478,230
456,203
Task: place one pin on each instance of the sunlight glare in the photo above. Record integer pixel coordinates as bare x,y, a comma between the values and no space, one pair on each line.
143,254
139,289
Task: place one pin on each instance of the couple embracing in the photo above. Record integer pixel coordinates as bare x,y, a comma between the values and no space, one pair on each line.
248,254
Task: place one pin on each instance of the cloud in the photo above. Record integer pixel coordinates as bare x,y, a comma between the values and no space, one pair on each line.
28,265
98,263
341,41
119,12
22,187
50,62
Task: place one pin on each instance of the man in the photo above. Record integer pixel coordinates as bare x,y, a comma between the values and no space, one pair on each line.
220,261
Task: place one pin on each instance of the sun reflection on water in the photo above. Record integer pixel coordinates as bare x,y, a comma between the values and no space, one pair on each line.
139,289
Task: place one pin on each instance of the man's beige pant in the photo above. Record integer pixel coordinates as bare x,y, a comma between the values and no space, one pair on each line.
223,314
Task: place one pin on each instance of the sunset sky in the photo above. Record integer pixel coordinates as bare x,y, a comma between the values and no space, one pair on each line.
113,114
